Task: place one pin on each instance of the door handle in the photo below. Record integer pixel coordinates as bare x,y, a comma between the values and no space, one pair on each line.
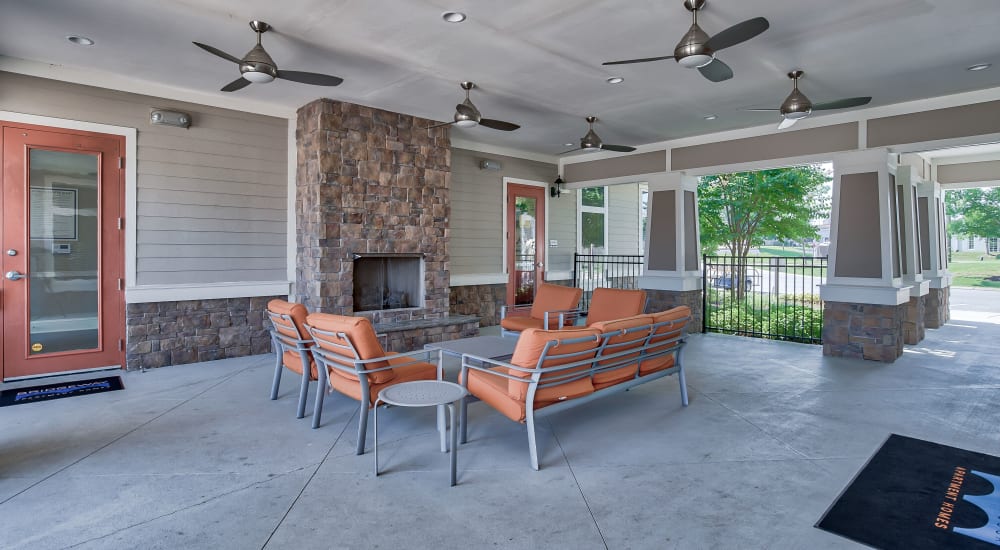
14,275
540,265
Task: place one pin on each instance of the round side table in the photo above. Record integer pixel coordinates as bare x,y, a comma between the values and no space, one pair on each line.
425,393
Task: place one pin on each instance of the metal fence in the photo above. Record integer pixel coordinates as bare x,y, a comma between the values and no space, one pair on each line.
764,297
591,271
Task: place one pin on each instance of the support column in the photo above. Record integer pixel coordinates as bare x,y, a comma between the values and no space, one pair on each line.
907,171
933,239
673,258
865,296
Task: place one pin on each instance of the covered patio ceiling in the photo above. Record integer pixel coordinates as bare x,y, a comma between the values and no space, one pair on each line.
537,63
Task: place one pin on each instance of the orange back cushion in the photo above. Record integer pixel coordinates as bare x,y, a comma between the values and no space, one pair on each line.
555,298
608,304
631,339
528,352
296,329
362,336
666,332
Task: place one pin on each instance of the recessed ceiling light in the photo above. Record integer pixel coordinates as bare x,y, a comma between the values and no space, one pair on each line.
711,117
568,144
80,40
615,80
979,67
453,16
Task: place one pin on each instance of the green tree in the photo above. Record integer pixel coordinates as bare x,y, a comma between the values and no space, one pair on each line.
739,210
974,212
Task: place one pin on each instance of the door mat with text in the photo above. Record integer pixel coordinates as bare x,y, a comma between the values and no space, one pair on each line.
916,495
32,394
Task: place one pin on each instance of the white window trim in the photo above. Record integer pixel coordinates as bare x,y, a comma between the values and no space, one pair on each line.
580,209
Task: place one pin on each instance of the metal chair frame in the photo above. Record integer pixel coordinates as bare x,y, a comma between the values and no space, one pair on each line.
350,362
566,317
282,343
663,345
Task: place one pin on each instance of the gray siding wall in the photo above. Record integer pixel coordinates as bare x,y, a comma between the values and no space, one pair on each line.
623,219
477,202
211,200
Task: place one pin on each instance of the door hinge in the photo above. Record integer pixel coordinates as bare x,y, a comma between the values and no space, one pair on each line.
121,345
121,223
121,283
121,163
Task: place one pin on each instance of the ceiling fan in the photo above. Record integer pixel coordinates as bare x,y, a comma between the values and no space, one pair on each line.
467,115
697,50
592,142
257,67
797,106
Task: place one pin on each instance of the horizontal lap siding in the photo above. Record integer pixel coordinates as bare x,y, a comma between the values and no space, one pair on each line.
211,200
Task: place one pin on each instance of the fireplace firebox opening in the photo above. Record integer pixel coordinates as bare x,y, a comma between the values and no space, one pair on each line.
388,281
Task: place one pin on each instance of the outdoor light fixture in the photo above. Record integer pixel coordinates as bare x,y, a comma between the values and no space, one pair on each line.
170,118
556,190
80,40
615,80
453,16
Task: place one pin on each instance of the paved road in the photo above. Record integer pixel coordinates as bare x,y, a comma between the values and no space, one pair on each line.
975,304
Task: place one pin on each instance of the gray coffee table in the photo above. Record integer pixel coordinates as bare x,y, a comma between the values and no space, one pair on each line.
425,393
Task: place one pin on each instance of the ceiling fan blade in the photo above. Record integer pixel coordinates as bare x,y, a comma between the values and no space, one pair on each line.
315,79
618,148
842,103
740,32
440,125
643,60
716,71
237,84
788,123
218,52
498,124
572,150
763,110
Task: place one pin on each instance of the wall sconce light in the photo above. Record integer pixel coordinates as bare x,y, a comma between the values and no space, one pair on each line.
489,164
170,118
556,190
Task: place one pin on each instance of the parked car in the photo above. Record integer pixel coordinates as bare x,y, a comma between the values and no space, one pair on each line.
726,282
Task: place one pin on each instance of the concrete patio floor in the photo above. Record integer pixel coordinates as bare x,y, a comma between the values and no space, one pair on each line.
196,456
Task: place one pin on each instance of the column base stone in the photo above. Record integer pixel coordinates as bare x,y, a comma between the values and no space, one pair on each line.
863,331
660,300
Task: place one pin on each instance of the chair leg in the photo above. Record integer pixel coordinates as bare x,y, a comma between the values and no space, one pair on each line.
463,417
277,370
532,445
303,387
682,380
362,425
320,394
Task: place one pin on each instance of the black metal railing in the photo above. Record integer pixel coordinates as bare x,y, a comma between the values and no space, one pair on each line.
591,271
764,297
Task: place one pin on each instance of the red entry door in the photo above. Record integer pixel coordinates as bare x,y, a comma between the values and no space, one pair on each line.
62,300
525,242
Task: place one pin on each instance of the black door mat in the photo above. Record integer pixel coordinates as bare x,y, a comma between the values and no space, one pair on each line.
917,495
33,394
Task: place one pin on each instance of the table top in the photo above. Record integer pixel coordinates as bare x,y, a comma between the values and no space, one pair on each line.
483,346
422,393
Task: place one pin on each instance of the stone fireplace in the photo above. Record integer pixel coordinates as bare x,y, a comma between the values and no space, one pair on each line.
388,281
373,185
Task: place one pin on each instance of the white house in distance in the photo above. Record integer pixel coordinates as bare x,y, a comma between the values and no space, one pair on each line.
963,243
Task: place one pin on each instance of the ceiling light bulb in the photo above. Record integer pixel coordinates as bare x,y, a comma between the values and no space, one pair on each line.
615,80
258,77
453,16
695,61
979,67
794,115
80,40
466,123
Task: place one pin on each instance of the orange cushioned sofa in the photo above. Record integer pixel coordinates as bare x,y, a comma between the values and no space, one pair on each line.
552,370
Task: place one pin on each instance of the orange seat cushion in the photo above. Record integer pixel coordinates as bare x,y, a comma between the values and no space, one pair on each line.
631,339
664,333
492,389
520,324
551,297
528,353
362,336
409,373
608,304
293,362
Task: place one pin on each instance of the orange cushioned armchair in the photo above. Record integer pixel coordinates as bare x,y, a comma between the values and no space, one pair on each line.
558,360
353,363
608,304
554,306
291,344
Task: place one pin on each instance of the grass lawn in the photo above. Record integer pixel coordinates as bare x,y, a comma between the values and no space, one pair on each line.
968,271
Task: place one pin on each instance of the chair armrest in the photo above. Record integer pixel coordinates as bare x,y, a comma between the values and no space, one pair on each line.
288,342
334,361
564,315
505,310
